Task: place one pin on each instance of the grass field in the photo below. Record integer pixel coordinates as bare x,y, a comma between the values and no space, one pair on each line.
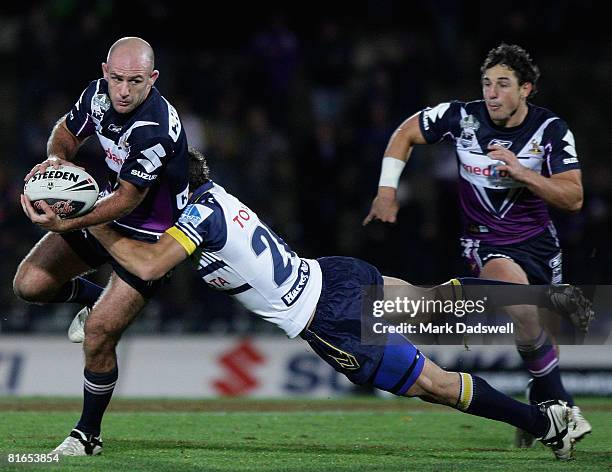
352,434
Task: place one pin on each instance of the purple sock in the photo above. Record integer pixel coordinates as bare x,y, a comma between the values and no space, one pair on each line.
540,358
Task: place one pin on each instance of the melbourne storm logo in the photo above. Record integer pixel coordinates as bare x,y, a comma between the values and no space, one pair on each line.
100,104
469,125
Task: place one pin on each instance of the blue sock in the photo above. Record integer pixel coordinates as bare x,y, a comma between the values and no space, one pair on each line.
97,393
78,290
478,398
540,358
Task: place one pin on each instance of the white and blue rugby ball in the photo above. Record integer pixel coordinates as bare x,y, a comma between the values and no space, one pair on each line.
69,191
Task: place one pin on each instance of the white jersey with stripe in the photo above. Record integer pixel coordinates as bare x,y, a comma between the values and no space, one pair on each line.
236,253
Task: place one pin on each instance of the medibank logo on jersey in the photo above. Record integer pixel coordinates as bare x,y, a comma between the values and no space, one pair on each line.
489,171
113,157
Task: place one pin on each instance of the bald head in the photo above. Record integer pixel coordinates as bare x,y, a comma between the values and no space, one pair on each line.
129,71
134,50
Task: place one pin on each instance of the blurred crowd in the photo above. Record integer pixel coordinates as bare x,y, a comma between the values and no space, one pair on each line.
294,110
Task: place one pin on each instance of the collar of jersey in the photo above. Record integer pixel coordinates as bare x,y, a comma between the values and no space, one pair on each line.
202,189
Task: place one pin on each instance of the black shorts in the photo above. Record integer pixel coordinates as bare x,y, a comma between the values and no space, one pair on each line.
335,331
540,256
93,254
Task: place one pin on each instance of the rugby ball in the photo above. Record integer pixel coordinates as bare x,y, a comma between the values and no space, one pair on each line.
69,191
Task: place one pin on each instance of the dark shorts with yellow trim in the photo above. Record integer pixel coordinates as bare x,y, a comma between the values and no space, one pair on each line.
89,249
392,364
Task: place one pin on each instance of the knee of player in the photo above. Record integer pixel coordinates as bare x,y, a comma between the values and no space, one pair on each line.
24,285
522,313
98,333
18,289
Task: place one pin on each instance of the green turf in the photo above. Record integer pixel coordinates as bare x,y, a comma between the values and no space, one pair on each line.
340,435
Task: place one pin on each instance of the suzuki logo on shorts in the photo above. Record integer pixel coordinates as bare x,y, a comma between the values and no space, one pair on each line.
238,364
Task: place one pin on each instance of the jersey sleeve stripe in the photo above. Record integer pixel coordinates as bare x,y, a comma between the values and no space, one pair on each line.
209,258
182,239
190,232
83,126
210,268
237,290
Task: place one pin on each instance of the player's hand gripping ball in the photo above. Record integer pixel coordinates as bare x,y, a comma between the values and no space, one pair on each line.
70,191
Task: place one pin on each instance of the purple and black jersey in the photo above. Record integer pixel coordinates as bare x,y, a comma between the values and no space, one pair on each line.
497,209
146,147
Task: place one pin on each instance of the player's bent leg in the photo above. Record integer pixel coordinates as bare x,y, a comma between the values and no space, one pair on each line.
525,317
395,288
436,385
535,348
526,323
550,422
400,367
117,308
567,301
111,315
551,323
46,270
404,371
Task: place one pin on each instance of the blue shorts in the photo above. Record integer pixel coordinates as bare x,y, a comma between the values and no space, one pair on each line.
540,257
89,249
335,331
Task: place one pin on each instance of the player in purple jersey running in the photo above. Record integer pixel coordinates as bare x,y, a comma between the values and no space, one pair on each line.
514,160
146,153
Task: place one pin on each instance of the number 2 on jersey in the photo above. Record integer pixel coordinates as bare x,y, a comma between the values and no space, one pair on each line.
263,239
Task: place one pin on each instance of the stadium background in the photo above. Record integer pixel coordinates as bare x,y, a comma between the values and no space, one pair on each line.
293,108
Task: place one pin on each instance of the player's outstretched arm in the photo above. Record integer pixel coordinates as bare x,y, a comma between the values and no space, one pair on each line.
145,260
385,205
